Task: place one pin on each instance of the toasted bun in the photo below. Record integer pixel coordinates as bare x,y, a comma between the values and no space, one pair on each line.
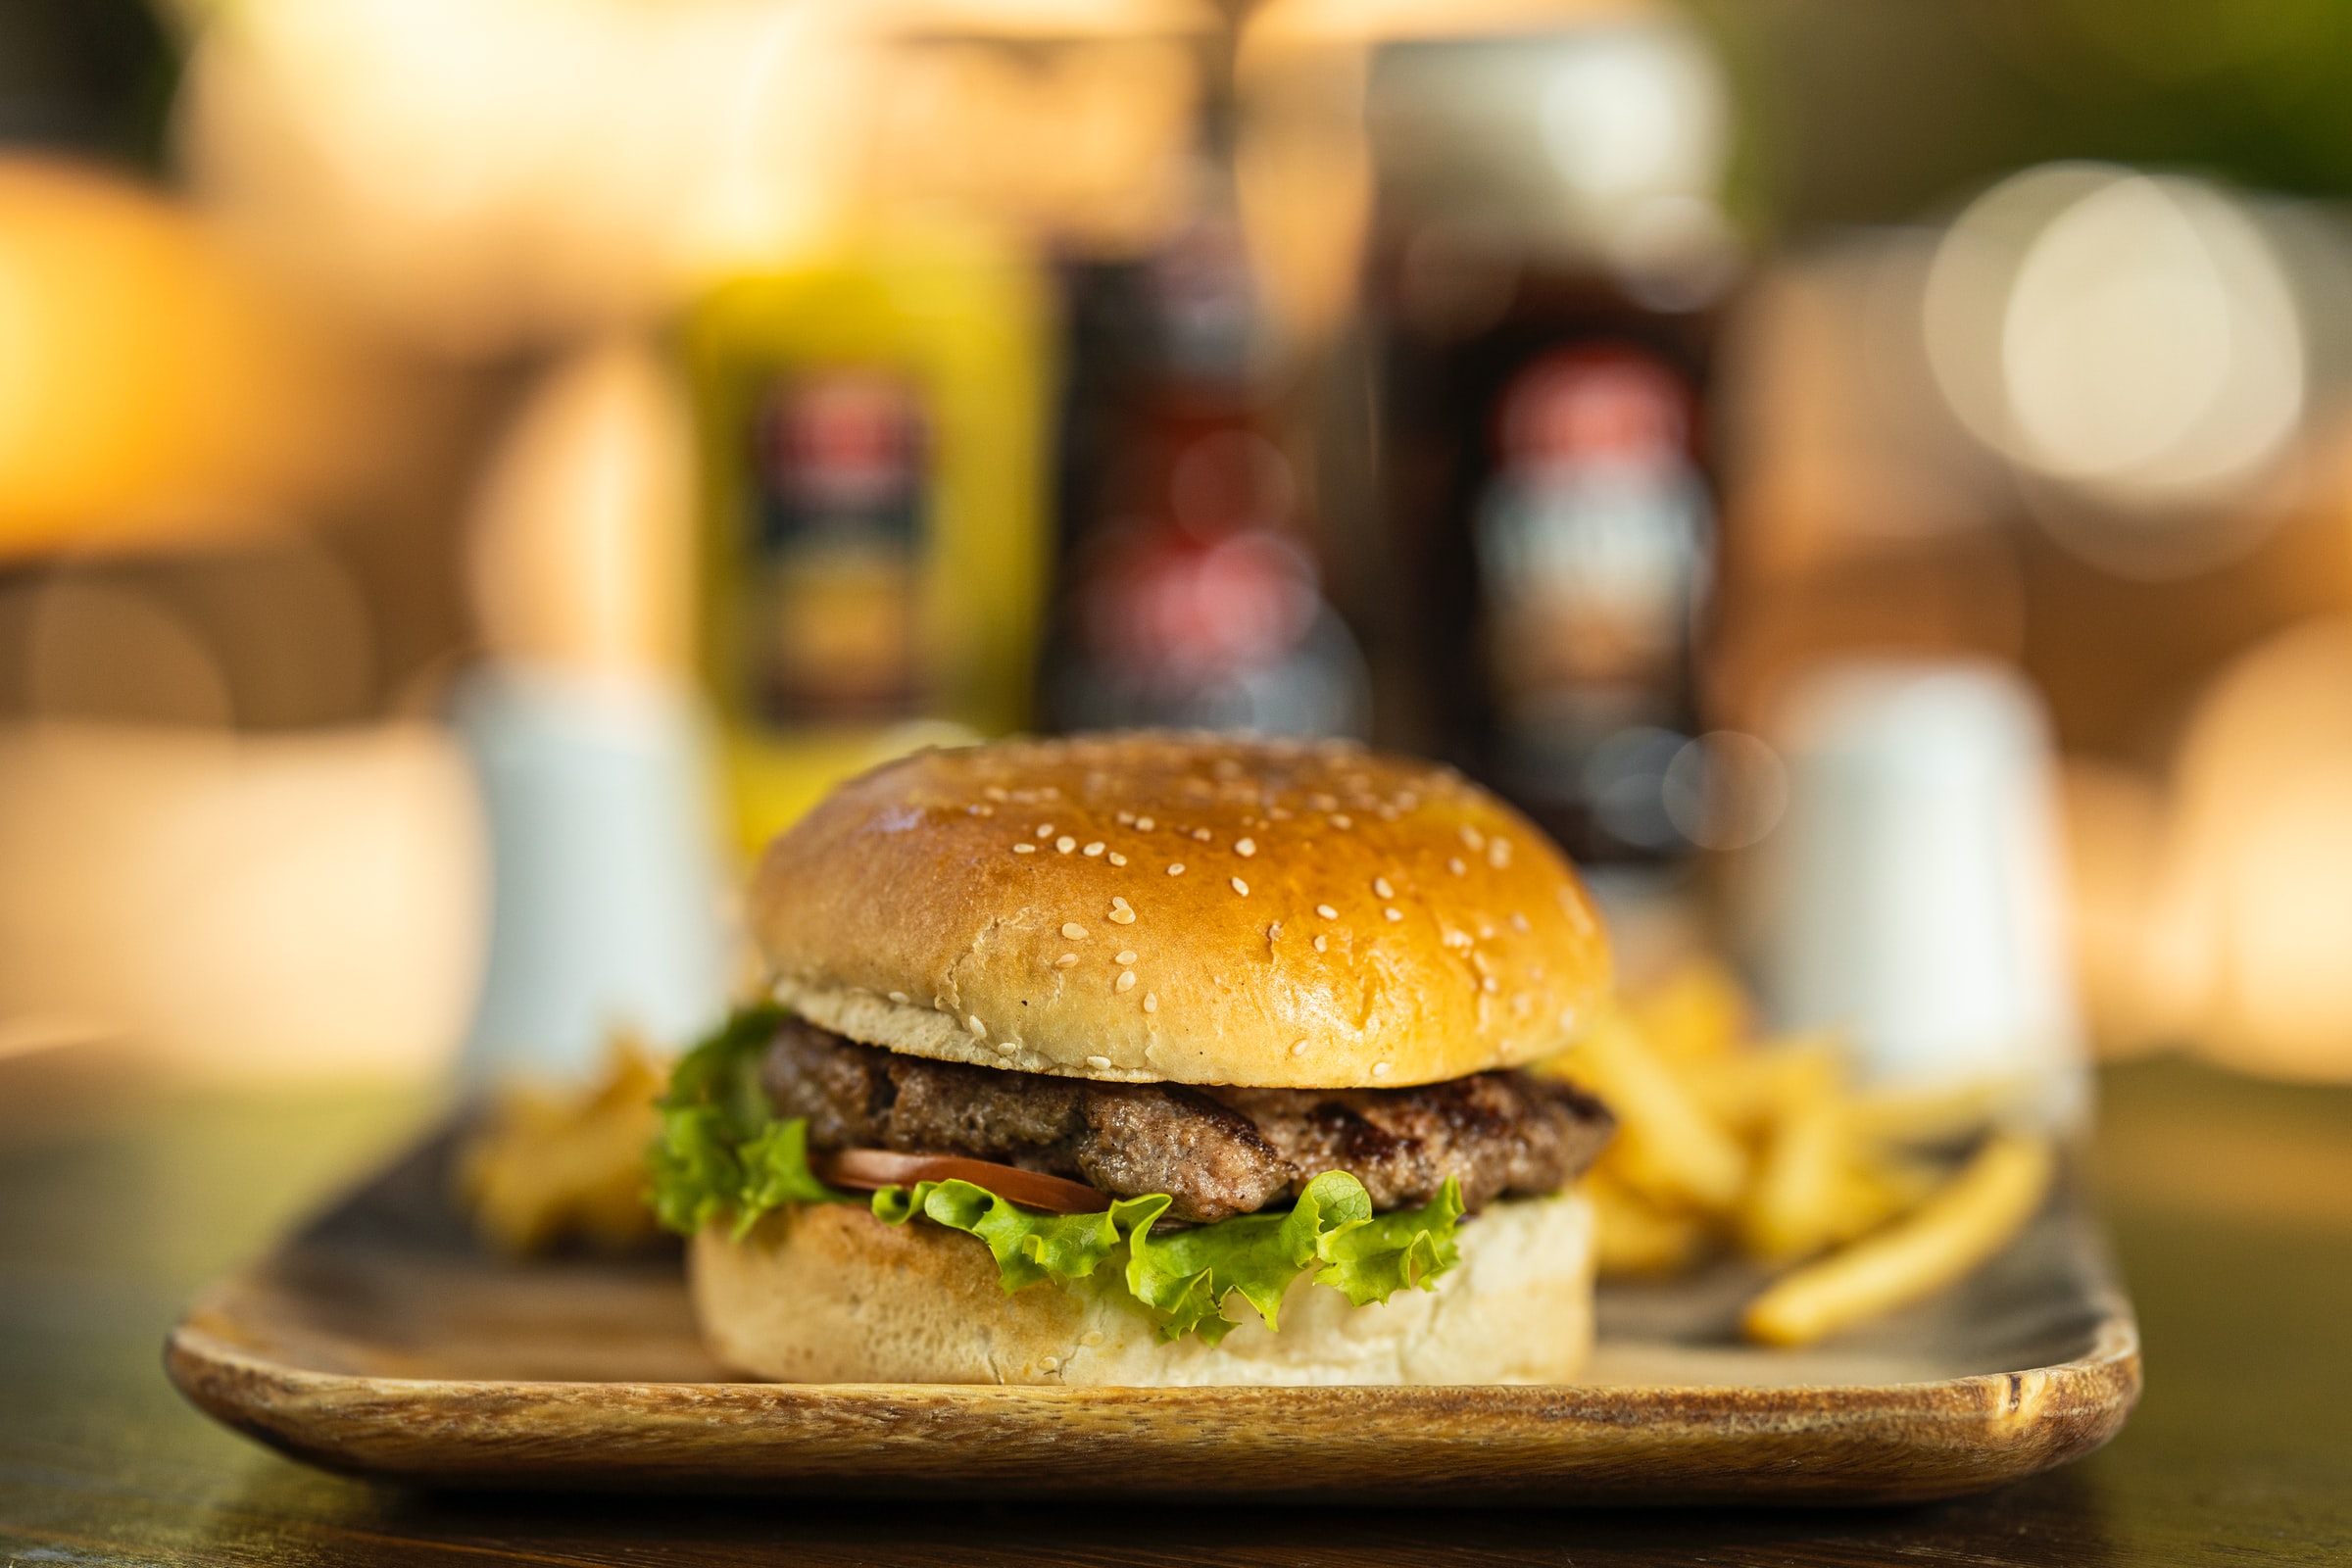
1021,906
829,1293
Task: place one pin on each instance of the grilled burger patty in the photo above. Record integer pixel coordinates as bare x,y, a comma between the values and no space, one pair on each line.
1218,1151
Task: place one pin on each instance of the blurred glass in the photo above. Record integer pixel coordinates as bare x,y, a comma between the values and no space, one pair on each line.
1913,897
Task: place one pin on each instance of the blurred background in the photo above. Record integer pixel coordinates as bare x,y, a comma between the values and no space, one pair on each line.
1876,483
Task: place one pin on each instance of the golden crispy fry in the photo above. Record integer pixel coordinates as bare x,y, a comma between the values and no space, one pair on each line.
1794,1208
1875,1189
549,1166
1637,1235
1746,1093
1668,1147
1699,1013
1931,1115
1946,1238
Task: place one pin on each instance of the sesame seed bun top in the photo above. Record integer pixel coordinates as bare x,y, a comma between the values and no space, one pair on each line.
1184,908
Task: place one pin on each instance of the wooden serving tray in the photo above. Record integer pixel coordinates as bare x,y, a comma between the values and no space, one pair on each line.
380,1340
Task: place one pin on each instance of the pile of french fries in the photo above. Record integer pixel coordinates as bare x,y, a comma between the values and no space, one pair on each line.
1764,1146
552,1164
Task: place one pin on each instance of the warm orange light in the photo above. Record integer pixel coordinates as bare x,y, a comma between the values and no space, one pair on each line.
133,402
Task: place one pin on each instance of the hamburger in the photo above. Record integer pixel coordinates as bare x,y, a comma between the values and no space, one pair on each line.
1149,1059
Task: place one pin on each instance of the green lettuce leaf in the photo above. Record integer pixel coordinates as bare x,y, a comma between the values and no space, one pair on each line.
724,1155
1029,1247
1372,1258
1183,1279
721,1150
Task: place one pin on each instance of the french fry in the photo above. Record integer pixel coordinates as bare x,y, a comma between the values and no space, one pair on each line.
1957,1229
1915,1116
1668,1147
1794,1208
1749,1092
1637,1235
1697,1014
545,1165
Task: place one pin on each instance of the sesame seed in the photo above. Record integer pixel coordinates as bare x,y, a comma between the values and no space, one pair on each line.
1094,848
1008,1048
1341,822
1202,834
1327,911
1245,848
1518,921
1177,870
1380,885
1407,799
1125,958
1073,930
974,1025
1045,830
1298,1047
1151,1002
1499,853
1380,1069
1125,981
1065,843
980,811
1274,932
1098,1062
1490,985
899,997
1241,887
1322,944
994,792
1393,913
1117,858
1323,803
1388,814
1024,848
1472,837
1121,914
1066,962
1456,866
1126,818
1144,824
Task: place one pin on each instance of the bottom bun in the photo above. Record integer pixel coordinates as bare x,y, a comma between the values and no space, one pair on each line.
829,1293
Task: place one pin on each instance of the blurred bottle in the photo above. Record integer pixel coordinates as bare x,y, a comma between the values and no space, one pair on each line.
1546,259
583,724
1193,592
872,432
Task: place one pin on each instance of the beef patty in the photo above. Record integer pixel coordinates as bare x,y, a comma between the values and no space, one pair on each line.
1216,1151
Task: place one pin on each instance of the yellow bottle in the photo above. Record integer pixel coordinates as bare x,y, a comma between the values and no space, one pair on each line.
872,427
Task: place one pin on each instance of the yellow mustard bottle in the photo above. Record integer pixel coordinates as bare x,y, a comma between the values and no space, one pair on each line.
872,428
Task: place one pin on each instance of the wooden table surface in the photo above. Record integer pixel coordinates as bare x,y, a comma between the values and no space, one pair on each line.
2231,1205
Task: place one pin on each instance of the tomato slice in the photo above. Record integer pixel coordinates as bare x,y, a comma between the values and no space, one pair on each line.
864,1169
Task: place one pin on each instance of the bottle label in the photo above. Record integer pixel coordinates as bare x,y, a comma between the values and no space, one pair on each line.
832,623
1591,541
